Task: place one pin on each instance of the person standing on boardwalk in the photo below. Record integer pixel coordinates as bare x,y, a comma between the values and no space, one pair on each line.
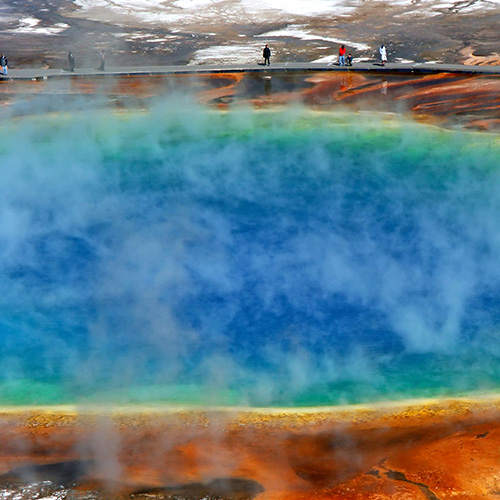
383,54
266,54
349,59
3,63
102,59
71,60
342,56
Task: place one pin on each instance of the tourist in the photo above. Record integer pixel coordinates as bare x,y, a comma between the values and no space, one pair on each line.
102,59
349,59
3,63
383,54
71,60
267,55
342,56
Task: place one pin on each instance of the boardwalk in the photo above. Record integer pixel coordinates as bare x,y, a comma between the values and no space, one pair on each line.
406,68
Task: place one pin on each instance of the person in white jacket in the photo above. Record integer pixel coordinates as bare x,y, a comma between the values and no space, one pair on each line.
383,54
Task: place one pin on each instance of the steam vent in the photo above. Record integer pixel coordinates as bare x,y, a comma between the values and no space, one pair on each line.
228,281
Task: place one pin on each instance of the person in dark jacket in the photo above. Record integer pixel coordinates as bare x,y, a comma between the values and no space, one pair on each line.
267,55
71,60
3,63
102,59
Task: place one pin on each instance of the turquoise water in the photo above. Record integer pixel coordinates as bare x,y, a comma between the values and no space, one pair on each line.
273,258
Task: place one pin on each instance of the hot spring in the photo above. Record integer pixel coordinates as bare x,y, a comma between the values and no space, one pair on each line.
273,258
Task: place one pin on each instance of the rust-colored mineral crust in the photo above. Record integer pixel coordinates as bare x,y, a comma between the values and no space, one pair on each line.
429,449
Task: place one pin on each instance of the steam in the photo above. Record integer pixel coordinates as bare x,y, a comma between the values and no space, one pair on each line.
245,258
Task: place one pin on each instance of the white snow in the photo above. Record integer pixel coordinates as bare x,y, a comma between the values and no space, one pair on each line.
297,31
229,54
475,6
192,4
30,25
327,59
299,7
421,13
159,40
148,39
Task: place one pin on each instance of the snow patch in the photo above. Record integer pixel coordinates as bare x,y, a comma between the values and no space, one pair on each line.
228,54
327,59
306,8
31,25
297,31
192,4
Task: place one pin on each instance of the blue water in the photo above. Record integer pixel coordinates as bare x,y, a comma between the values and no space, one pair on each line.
277,258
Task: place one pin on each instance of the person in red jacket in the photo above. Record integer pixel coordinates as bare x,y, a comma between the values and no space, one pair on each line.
342,56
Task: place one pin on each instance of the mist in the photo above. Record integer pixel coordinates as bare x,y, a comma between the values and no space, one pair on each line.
277,258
